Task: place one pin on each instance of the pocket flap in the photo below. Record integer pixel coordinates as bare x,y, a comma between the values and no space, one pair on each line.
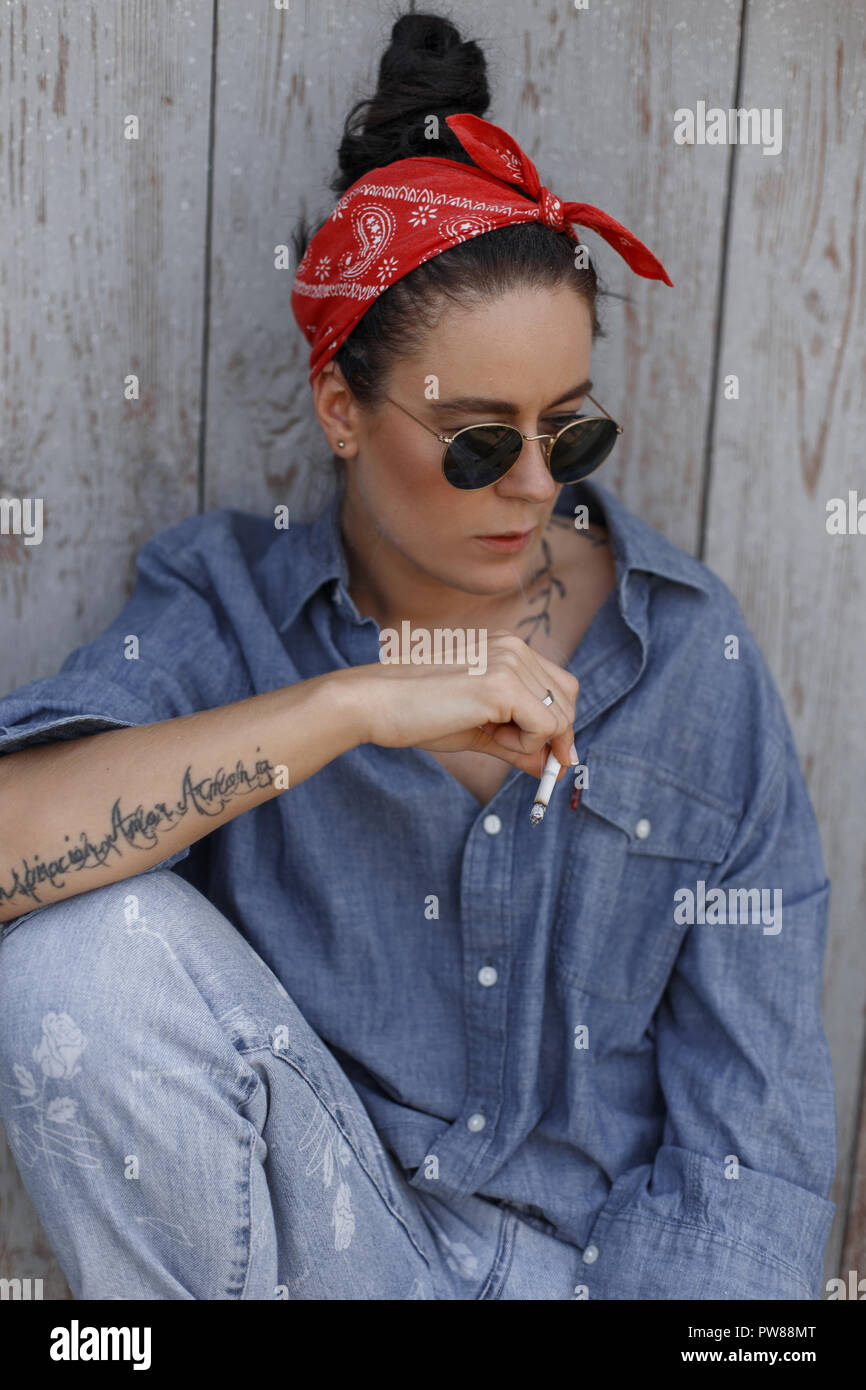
658,811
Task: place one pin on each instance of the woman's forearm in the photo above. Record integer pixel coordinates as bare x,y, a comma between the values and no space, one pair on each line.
80,813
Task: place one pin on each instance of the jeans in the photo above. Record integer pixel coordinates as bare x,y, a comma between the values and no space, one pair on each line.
184,1133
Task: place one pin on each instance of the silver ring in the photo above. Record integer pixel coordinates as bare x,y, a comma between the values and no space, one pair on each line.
548,699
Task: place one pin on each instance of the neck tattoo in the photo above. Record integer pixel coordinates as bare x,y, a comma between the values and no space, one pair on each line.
542,617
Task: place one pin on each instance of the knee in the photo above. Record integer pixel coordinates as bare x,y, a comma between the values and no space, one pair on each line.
81,950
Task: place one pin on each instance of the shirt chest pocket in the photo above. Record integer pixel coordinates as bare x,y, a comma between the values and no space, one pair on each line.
639,834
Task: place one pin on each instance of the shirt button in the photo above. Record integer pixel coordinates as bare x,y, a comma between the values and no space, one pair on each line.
590,1255
476,1122
492,824
642,829
487,975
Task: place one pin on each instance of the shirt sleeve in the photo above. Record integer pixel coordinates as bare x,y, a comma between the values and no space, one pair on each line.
183,662
734,1204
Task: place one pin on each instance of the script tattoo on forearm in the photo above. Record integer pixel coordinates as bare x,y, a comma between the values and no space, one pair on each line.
136,829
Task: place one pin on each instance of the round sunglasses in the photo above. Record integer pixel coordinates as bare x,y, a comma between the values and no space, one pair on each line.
480,455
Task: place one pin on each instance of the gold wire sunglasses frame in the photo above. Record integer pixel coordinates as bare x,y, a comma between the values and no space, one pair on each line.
448,439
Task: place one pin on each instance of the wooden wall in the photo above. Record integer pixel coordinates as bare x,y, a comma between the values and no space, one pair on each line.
156,256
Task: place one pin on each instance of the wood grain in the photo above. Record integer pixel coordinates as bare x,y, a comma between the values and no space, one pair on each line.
793,332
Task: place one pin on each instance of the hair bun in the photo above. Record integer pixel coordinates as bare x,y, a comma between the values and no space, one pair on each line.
425,35
427,70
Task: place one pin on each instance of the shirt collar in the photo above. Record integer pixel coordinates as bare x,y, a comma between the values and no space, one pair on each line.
637,546
318,557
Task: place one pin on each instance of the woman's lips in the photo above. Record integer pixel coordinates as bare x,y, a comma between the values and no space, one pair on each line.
505,544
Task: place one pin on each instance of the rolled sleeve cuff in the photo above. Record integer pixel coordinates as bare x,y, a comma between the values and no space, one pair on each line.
679,1229
65,707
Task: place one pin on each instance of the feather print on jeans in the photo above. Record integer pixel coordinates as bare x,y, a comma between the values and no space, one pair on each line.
328,1150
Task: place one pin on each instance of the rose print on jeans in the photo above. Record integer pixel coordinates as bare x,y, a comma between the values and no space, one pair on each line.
62,1044
44,1126
62,1110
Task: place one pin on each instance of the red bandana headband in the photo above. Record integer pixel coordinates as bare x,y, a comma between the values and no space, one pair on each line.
378,231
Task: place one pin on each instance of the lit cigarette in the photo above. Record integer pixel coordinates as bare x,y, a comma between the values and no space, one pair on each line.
545,787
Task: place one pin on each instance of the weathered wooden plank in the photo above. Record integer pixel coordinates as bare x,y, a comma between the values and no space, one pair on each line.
102,259
794,335
854,1243
284,86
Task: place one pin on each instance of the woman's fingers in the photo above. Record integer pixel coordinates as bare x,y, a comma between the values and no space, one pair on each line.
500,709
530,729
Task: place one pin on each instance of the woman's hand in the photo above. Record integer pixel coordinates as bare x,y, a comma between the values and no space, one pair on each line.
446,709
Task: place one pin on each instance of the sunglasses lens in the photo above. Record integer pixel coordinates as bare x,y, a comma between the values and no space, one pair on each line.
478,456
581,448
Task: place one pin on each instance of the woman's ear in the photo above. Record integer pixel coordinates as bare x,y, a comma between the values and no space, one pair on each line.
334,405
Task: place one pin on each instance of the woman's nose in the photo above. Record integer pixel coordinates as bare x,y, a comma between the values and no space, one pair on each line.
531,474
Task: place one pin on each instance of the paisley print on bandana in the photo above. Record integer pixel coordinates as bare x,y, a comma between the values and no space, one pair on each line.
373,228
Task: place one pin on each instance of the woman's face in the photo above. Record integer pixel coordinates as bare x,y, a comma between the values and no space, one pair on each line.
527,354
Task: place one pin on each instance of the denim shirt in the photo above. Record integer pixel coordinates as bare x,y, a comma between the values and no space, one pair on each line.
584,1021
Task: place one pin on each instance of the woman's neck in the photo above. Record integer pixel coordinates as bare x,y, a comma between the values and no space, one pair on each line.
531,607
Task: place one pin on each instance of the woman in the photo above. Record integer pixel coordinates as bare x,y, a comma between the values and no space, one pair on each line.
382,1036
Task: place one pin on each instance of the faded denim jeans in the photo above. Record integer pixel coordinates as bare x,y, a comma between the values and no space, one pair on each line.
183,1132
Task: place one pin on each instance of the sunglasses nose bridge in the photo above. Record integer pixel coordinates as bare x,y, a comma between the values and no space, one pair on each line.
546,448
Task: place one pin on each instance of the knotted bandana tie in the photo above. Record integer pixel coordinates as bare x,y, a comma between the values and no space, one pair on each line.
395,217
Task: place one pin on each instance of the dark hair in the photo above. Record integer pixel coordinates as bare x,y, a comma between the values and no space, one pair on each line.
429,70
